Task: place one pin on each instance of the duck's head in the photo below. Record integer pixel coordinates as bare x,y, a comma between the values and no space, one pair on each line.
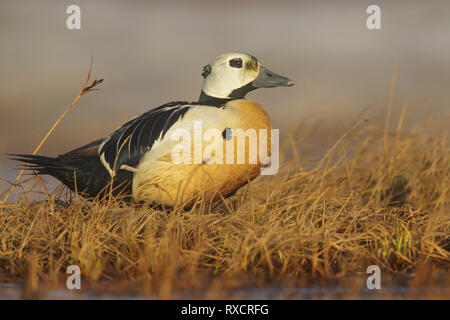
233,75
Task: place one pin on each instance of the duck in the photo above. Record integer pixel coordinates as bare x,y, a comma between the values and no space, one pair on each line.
136,161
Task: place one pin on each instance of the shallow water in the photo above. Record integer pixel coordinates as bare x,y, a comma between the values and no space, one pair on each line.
396,287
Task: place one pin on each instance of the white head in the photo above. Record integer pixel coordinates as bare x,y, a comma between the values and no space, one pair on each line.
232,75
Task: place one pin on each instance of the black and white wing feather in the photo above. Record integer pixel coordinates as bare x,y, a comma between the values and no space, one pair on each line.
131,141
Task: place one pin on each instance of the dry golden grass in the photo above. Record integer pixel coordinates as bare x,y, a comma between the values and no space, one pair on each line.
373,198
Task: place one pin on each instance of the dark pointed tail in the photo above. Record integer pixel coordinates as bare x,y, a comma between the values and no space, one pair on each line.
86,175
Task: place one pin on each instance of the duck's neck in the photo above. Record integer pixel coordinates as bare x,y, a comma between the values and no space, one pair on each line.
212,101
238,93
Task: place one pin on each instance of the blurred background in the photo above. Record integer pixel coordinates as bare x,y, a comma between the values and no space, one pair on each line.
152,52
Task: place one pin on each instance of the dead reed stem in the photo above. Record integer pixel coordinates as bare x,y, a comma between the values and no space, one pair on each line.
86,88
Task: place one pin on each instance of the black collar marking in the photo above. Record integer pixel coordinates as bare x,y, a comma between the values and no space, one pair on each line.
207,100
238,93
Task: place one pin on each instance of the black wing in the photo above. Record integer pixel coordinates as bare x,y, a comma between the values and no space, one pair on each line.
141,132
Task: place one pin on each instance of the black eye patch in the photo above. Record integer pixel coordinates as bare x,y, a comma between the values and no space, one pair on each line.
236,63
